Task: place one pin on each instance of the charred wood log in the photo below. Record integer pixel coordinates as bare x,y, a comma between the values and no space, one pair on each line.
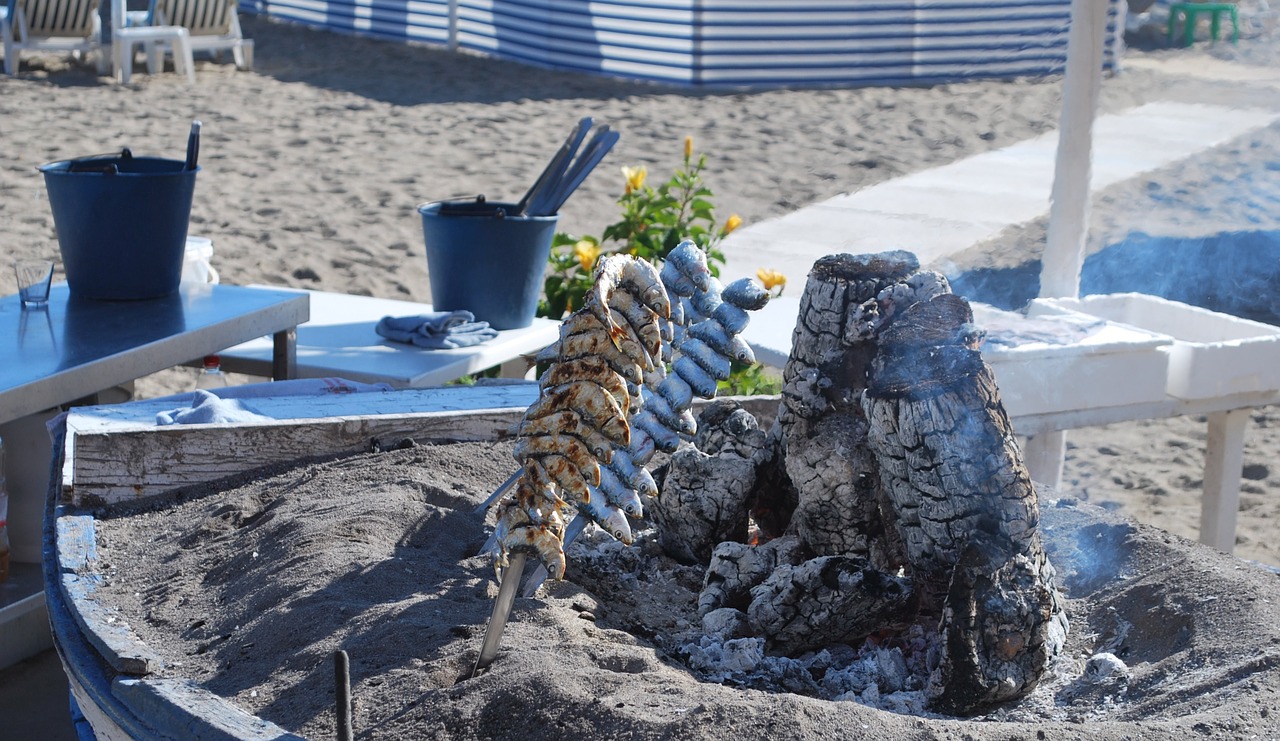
1002,623
830,599
822,427
965,505
736,568
707,488
948,456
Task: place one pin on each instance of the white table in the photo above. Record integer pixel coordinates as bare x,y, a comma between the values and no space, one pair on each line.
340,341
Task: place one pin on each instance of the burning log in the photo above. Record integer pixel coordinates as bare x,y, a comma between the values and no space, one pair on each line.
965,505
709,485
912,500
822,426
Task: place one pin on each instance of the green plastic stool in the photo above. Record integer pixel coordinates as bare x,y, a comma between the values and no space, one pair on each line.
1190,13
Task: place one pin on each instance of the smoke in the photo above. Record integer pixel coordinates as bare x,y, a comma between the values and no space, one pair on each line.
1235,273
1093,558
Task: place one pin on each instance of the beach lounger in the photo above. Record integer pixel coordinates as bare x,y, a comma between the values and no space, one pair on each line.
212,25
51,25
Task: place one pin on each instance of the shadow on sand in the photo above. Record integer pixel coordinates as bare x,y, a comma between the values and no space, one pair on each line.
404,73
1236,273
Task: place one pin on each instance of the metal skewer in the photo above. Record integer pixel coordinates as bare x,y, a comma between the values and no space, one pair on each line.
501,611
486,504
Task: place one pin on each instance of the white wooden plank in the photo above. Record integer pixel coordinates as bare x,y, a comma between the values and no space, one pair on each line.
85,422
127,465
113,458
142,414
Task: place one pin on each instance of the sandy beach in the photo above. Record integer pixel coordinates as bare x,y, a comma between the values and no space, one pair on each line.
314,164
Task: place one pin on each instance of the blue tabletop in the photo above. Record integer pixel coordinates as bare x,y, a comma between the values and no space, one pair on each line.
74,347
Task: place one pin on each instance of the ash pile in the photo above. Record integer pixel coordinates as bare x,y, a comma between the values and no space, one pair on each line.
879,541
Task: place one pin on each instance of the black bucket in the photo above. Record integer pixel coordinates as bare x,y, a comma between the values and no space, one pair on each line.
122,223
483,260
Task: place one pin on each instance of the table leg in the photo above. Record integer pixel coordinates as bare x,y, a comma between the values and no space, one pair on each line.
1224,461
284,358
1044,454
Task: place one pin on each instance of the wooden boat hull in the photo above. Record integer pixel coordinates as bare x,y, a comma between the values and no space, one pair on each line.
112,455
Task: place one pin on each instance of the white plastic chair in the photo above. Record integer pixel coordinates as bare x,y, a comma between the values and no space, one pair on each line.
129,28
212,25
51,25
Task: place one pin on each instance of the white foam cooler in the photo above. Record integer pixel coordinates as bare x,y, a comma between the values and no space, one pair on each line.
1086,364
1212,354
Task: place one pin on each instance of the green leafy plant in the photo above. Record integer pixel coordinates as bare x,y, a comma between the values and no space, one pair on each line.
750,380
653,222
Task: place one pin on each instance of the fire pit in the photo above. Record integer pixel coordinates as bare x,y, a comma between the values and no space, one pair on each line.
789,614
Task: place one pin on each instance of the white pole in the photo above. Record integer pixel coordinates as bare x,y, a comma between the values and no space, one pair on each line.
453,25
1069,199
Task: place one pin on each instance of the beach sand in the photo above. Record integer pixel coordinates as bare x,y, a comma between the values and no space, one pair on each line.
314,164
248,588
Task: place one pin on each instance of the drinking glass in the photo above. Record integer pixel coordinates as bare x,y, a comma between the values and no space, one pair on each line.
34,278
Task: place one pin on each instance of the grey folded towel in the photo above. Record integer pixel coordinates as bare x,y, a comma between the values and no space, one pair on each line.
440,330
207,408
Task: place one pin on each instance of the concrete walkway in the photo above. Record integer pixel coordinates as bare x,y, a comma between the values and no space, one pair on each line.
948,209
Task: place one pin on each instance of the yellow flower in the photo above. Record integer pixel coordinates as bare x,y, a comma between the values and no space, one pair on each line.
772,279
635,177
731,223
586,251
688,147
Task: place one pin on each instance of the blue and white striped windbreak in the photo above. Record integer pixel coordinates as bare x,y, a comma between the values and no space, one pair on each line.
735,42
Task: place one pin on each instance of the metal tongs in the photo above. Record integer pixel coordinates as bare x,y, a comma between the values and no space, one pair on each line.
563,174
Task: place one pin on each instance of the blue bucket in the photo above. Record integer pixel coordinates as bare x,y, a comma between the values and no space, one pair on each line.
482,260
122,223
